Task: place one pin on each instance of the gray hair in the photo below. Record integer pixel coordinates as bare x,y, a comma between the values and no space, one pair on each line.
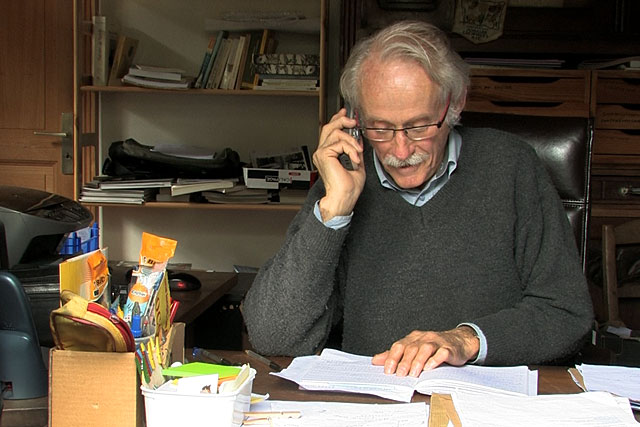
416,41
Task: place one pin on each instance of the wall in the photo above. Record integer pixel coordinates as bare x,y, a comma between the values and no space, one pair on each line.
173,34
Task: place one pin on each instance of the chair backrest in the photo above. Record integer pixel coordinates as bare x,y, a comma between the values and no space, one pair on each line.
613,237
563,144
21,362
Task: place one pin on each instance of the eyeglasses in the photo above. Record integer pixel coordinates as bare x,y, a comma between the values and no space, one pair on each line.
414,133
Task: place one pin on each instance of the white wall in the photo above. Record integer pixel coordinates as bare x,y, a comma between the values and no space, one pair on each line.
173,34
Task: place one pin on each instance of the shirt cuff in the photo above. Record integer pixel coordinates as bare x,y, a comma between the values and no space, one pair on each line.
336,222
482,352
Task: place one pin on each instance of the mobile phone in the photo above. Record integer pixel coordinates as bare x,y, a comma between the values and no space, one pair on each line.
355,132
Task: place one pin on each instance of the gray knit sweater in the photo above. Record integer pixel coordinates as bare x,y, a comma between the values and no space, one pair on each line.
493,247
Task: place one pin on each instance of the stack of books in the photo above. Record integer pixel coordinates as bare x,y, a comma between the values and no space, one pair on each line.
104,190
153,77
287,71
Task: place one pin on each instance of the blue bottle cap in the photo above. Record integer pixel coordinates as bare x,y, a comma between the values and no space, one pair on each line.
136,327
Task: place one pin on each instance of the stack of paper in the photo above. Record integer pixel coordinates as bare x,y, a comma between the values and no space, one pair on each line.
338,371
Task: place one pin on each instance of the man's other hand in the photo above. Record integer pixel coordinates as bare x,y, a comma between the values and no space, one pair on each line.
425,350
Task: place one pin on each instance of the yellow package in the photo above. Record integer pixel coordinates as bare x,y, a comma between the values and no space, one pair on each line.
87,275
147,279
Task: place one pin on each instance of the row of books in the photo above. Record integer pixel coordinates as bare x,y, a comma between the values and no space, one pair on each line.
104,190
227,62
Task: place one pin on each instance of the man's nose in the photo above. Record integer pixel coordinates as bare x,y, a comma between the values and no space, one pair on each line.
402,145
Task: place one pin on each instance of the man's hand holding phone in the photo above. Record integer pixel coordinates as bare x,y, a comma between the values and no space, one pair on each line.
343,186
344,158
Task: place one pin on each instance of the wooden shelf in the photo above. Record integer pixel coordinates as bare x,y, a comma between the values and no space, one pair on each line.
218,92
214,206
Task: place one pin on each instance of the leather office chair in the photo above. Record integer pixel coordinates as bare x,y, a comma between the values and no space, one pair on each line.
614,239
564,146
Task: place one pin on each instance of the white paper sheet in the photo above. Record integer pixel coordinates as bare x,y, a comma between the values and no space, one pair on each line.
338,414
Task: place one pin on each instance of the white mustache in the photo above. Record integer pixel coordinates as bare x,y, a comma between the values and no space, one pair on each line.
412,160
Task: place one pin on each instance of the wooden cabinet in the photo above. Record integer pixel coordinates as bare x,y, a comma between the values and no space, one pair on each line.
530,91
615,183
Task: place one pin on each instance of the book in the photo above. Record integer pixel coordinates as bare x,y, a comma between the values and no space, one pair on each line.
100,46
335,370
205,63
244,196
122,59
185,83
282,82
92,193
219,65
157,73
164,195
244,53
109,183
266,46
183,186
232,59
248,72
216,50
599,64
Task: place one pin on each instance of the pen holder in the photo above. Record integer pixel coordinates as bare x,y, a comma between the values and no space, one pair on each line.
166,407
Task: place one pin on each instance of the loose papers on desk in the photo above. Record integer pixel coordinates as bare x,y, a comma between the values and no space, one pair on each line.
562,410
619,380
335,370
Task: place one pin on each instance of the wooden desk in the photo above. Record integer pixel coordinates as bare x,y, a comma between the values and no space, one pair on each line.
551,380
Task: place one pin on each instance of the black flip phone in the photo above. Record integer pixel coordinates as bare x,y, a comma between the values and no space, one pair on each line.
355,132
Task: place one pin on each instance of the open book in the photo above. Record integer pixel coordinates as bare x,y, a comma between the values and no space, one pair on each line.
339,371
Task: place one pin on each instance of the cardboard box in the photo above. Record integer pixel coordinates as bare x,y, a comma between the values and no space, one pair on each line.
272,179
100,389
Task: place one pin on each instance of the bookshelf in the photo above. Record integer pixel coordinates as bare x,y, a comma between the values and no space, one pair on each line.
172,35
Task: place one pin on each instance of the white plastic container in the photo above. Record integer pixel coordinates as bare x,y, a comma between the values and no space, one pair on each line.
166,407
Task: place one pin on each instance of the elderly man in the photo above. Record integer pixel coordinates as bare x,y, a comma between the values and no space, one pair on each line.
444,244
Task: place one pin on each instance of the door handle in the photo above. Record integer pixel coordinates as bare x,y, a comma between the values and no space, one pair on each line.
66,162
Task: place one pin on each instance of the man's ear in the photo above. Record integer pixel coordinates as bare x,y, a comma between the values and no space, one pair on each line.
461,102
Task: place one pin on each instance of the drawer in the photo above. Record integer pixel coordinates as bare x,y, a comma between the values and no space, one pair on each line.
617,148
617,116
621,87
615,189
548,93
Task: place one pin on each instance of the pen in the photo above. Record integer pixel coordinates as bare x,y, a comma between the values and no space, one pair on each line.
270,363
200,353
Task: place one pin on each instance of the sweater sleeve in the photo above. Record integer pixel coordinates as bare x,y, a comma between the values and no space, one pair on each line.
554,315
293,302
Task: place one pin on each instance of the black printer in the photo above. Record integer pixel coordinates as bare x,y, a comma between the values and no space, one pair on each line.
33,226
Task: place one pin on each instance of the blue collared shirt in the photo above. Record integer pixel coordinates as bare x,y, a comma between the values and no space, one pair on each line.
418,197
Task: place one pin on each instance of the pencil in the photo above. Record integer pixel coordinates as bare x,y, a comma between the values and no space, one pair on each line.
270,363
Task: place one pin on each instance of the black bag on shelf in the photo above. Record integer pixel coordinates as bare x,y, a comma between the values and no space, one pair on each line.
129,158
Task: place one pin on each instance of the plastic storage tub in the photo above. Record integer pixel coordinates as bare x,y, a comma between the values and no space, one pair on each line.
166,407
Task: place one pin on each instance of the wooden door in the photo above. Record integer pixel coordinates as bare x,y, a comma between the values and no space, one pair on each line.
36,88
